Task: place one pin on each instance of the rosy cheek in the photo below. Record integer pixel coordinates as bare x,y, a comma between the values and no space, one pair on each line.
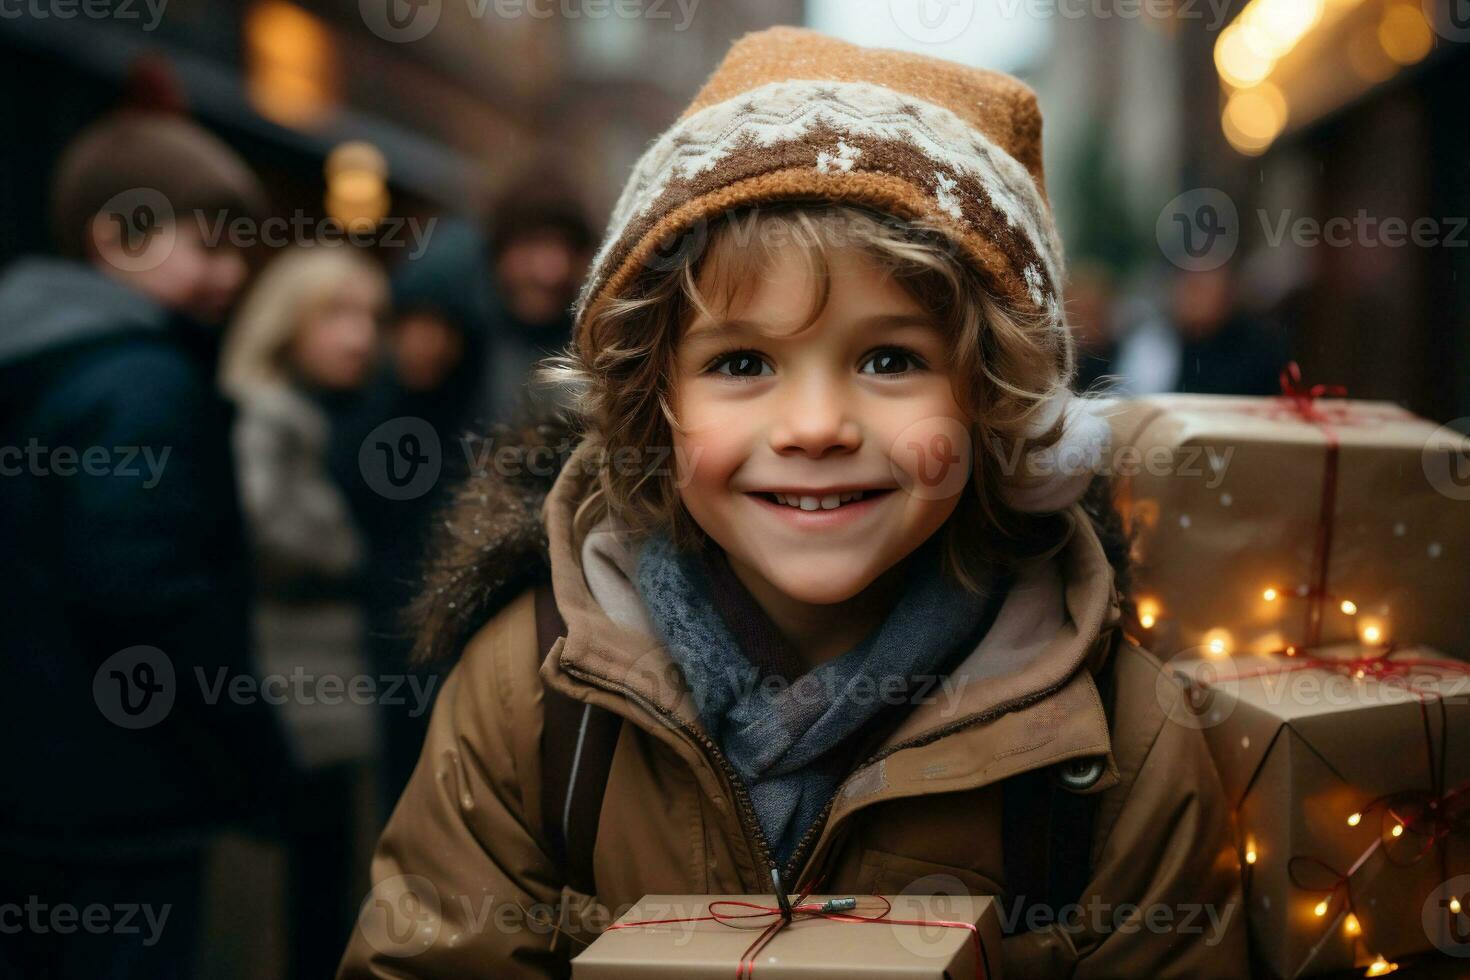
707,456
930,457
710,446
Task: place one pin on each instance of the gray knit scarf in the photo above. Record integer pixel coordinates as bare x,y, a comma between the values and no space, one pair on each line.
789,733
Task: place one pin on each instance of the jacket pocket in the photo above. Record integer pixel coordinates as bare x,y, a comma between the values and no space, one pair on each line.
884,873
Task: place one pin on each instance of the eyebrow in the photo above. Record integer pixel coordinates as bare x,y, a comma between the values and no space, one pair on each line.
877,320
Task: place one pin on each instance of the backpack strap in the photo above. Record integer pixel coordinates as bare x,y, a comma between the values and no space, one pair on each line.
1047,826
577,744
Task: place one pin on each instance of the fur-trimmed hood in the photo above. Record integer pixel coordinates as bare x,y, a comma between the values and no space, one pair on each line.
490,541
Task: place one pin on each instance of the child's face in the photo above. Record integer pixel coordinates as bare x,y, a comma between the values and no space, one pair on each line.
861,400
175,268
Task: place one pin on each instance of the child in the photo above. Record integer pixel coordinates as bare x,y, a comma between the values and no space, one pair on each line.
823,556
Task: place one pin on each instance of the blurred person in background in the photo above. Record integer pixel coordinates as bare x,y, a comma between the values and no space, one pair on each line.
305,335
125,593
1223,350
435,364
1089,301
540,247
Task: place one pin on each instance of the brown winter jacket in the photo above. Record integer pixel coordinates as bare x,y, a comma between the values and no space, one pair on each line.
464,887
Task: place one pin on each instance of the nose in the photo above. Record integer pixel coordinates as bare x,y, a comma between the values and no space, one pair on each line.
816,420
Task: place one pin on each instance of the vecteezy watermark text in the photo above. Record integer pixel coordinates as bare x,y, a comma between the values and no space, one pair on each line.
122,919
35,459
87,9
137,688
405,21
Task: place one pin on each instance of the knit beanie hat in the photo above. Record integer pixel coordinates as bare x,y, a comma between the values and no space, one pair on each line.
793,114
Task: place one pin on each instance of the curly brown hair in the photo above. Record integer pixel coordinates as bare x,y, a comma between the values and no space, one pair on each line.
1005,363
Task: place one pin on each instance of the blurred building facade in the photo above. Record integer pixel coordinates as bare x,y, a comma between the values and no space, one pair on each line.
1321,137
460,96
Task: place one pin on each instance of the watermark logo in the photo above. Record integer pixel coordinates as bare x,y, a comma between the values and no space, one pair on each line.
402,458
1199,697
400,21
141,221
401,916
1199,230
1449,18
135,688
932,458
1446,460
947,902
932,21
679,248
1446,916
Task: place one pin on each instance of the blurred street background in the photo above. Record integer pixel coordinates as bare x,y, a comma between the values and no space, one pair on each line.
1239,183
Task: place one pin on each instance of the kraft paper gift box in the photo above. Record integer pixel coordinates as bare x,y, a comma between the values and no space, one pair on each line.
1255,519
1300,750
809,947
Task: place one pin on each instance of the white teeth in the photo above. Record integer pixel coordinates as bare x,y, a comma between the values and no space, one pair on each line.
830,501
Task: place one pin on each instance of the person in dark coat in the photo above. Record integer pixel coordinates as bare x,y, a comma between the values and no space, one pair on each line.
432,378
1223,350
132,724
540,246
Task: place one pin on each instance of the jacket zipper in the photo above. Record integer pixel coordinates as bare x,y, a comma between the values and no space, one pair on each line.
746,809
812,832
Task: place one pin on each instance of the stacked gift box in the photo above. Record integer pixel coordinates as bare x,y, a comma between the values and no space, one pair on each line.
1301,563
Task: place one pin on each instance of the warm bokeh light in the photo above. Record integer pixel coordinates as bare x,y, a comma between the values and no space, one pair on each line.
1365,55
1254,117
1217,642
1351,925
1320,908
1148,613
357,189
1355,819
1270,595
1239,61
1379,967
1405,35
290,63
1349,607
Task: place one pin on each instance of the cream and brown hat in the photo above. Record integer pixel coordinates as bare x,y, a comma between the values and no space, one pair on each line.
791,113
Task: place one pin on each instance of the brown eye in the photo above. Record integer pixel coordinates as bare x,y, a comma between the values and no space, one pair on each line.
890,360
741,364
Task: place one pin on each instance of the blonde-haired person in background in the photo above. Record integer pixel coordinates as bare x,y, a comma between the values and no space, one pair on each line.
305,335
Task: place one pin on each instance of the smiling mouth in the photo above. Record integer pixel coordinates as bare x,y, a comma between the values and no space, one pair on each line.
831,501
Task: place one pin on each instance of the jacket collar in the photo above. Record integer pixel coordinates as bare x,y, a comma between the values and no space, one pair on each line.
1021,700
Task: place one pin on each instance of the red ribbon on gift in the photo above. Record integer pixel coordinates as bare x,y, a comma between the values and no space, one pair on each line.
1432,815
801,908
1303,402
